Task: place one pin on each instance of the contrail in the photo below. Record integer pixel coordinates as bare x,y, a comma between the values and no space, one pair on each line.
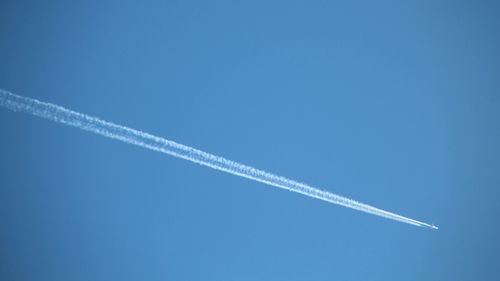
95,125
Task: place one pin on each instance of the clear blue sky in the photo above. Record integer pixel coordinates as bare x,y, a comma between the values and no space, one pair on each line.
393,104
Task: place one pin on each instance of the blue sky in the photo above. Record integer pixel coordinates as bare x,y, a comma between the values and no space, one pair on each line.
392,104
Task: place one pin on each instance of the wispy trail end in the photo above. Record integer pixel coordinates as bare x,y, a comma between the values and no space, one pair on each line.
95,125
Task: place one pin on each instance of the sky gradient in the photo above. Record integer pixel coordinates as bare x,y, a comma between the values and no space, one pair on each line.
392,104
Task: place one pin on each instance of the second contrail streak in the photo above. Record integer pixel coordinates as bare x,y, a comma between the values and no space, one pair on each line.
95,125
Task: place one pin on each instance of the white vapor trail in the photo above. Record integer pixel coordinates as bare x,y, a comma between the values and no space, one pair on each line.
95,125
